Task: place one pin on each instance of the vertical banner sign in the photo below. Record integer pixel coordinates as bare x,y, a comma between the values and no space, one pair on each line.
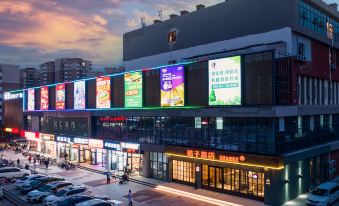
60,96
103,95
172,84
224,77
30,100
80,95
133,89
44,98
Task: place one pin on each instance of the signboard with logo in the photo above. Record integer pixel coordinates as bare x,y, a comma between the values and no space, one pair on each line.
103,94
47,137
13,95
78,140
64,139
112,145
224,77
133,89
96,143
172,84
44,98
60,96
130,147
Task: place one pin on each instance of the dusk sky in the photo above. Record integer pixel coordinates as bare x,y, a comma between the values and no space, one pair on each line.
35,31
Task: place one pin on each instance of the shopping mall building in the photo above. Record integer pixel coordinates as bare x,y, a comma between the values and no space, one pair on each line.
244,102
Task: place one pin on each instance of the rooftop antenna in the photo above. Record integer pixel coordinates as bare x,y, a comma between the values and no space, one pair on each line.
160,14
142,19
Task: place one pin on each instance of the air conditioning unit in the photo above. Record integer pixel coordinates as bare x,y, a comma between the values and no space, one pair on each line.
300,58
333,67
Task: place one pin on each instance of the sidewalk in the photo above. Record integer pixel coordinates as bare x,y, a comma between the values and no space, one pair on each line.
160,193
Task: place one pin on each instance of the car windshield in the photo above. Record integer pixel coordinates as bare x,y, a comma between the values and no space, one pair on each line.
60,193
320,192
23,178
35,182
44,188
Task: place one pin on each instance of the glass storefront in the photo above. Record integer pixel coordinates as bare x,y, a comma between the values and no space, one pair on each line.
183,171
34,146
235,180
158,165
50,148
67,149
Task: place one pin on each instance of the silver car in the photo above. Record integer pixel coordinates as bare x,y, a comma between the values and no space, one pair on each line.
64,193
39,194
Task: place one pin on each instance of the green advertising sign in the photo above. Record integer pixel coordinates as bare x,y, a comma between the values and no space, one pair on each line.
133,89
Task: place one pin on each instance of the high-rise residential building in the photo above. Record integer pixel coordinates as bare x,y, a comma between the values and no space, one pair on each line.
29,77
114,70
241,98
47,73
68,69
9,80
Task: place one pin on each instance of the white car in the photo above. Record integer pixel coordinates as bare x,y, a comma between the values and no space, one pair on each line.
100,202
19,182
324,195
64,193
39,194
13,172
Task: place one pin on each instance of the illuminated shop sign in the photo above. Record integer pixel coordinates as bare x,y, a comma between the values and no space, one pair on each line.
95,143
80,95
60,96
103,92
80,140
126,145
113,119
8,129
112,145
213,156
44,98
31,100
47,137
13,95
133,89
32,135
224,81
172,84
63,139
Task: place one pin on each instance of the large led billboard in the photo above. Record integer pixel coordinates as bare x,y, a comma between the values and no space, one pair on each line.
44,101
172,84
103,95
224,77
133,89
30,100
60,96
80,95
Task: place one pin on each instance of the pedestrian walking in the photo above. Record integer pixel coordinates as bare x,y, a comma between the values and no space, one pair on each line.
47,163
34,160
2,156
108,175
27,166
18,161
130,198
29,159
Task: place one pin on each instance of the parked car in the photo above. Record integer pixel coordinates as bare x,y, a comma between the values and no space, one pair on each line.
1,193
116,203
94,202
19,182
24,189
324,194
43,191
13,172
64,193
73,200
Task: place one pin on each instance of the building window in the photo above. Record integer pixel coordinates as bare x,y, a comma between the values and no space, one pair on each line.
183,171
158,165
301,49
172,37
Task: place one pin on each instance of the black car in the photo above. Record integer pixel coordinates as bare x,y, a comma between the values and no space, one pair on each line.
71,201
24,189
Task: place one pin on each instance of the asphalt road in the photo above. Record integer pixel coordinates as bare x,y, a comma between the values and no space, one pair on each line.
5,202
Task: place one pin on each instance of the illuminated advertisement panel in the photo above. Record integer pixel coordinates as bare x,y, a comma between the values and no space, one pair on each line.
60,96
133,89
172,85
30,100
79,95
224,77
103,95
44,98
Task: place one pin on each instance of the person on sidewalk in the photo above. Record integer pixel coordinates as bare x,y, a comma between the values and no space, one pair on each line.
108,175
29,159
18,161
114,175
34,160
130,198
27,166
